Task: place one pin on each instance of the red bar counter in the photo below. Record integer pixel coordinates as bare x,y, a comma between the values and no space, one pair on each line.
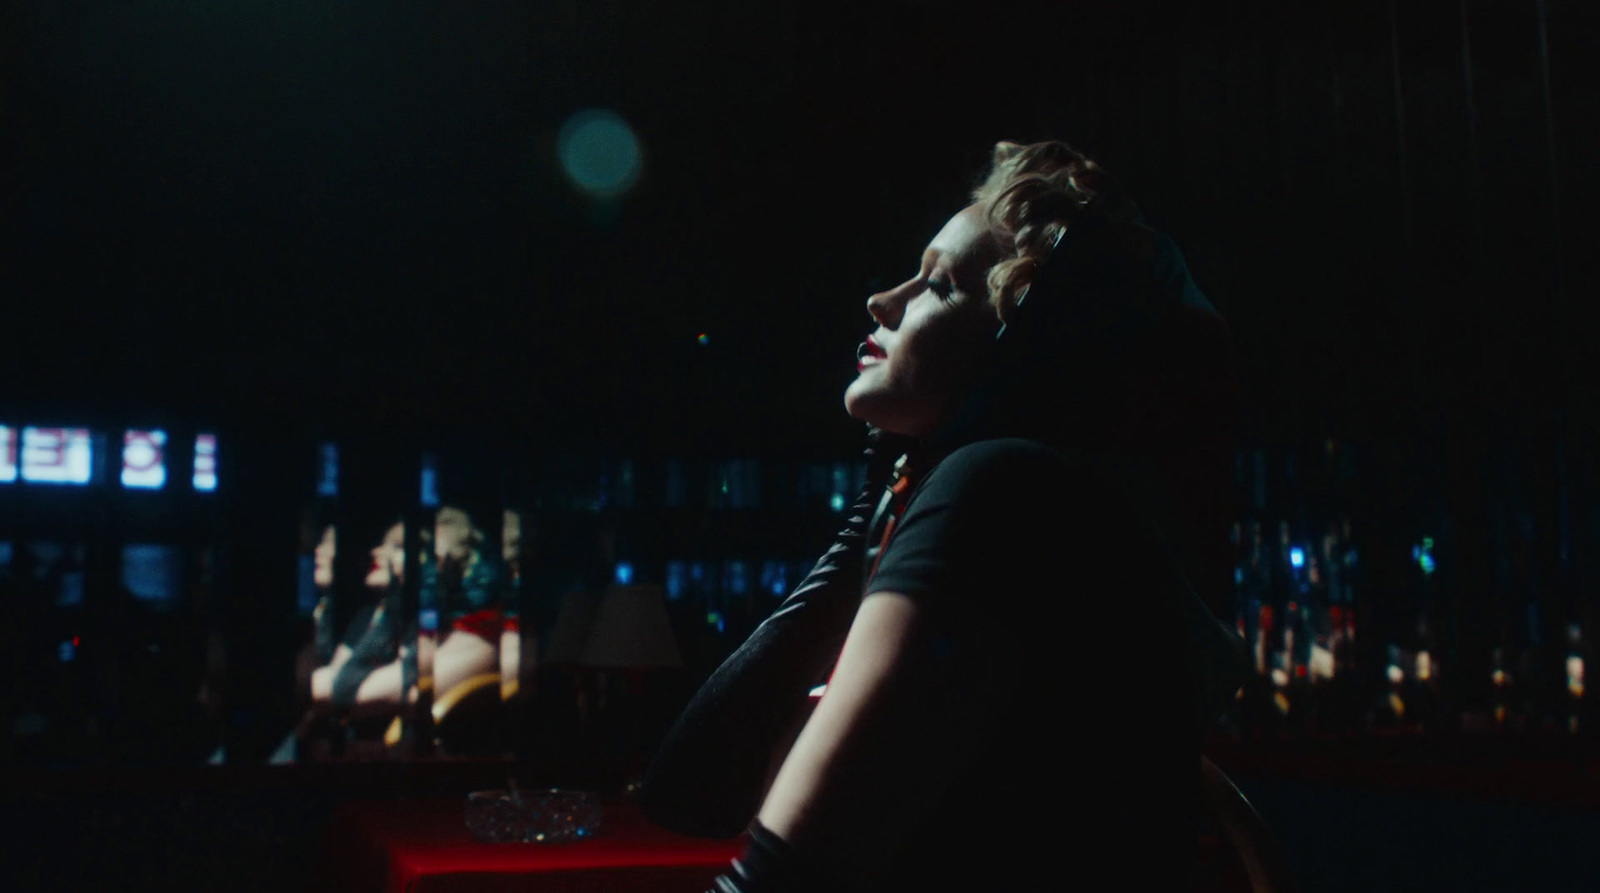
422,846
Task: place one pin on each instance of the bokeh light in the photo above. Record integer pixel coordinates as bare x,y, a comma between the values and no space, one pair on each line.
599,153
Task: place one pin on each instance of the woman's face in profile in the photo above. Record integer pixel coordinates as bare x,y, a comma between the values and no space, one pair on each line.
511,538
388,562
934,332
322,559
452,535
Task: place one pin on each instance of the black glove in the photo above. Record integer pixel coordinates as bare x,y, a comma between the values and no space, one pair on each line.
707,778
768,865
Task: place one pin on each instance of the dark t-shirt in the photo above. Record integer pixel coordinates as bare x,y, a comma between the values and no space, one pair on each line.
1039,576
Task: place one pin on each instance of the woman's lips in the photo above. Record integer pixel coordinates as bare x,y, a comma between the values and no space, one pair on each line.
868,352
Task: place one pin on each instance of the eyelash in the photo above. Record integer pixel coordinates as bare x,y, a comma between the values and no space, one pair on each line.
940,287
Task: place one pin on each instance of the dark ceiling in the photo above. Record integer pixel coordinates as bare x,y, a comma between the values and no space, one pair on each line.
350,215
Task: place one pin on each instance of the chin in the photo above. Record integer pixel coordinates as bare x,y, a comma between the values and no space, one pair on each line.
879,411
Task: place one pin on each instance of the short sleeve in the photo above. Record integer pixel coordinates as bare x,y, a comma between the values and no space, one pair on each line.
1010,538
993,520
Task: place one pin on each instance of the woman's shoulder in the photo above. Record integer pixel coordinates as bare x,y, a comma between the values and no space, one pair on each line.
1019,477
1005,461
1002,453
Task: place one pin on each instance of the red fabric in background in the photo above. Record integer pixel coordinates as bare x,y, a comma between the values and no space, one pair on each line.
485,624
422,846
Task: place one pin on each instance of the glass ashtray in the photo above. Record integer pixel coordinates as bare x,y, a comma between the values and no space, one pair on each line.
538,816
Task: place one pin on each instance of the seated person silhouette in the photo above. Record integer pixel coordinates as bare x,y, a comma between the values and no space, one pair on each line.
369,674
372,639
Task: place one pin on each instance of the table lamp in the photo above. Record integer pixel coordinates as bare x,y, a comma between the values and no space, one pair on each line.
632,631
631,642
571,629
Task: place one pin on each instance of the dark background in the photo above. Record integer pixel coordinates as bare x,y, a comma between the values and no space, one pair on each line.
352,215
300,221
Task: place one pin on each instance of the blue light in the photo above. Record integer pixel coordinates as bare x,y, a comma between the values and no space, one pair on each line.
624,574
735,578
71,594
66,652
152,573
716,619
774,577
837,502
428,620
328,483
599,152
1238,575
1423,555
429,497
1297,556
676,582
306,594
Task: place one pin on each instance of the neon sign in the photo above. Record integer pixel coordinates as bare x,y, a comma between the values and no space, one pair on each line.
142,465
55,455
8,455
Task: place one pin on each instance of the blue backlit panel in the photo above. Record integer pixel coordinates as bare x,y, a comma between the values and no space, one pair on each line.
55,455
205,462
143,460
153,573
8,454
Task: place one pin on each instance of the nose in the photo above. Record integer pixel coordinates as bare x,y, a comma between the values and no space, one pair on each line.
884,308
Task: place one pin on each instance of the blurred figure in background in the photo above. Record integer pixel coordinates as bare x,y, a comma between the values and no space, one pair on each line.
465,585
372,637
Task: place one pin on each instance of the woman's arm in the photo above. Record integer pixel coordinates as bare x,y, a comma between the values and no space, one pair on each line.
322,677
461,656
898,721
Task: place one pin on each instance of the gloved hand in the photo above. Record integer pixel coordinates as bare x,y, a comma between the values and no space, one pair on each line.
768,865
707,778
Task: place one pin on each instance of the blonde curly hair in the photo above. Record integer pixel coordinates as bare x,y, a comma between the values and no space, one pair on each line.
1031,195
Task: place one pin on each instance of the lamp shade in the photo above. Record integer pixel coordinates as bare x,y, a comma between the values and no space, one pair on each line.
632,631
571,628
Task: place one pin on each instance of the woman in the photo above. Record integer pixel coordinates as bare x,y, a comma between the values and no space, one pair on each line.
372,638
1020,609
466,586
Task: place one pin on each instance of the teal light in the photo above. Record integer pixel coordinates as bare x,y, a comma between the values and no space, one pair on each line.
599,153
1423,556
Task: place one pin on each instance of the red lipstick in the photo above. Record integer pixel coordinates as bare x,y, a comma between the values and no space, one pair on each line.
868,349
